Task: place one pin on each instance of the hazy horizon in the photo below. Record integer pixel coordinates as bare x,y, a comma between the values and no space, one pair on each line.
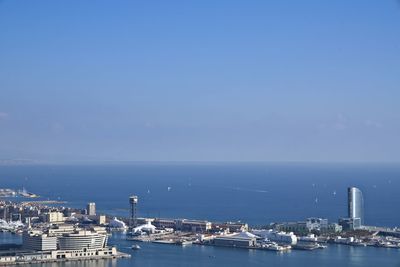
200,81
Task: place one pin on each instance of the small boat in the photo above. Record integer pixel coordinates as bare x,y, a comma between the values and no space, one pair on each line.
307,246
275,248
135,247
184,242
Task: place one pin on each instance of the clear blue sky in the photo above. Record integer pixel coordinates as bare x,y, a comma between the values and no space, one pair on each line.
200,80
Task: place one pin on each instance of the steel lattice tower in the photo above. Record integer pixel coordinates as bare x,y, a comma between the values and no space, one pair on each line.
133,200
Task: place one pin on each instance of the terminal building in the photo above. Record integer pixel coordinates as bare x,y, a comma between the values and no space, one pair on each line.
64,239
36,240
194,226
232,227
240,240
82,239
61,243
184,225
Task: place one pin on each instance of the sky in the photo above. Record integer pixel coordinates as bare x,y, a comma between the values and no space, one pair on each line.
207,80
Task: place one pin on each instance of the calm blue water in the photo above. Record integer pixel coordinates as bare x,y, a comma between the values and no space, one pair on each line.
198,256
255,193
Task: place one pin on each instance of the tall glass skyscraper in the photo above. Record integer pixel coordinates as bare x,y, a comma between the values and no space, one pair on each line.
356,205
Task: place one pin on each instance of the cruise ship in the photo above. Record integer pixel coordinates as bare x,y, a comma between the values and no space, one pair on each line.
275,236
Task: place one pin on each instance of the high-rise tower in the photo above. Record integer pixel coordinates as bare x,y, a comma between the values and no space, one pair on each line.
91,209
133,200
355,206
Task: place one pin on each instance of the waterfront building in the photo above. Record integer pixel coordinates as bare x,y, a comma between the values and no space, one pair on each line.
232,227
241,240
278,237
16,257
194,226
91,209
65,237
36,240
311,225
82,239
184,225
355,206
164,223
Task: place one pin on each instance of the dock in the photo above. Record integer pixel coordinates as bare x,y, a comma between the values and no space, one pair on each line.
119,255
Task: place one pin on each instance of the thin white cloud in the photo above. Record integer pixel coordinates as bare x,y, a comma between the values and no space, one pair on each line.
340,123
372,124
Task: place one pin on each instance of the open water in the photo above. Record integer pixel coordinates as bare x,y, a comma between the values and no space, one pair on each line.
257,193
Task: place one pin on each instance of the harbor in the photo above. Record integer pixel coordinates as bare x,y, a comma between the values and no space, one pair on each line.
9,193
24,258
55,233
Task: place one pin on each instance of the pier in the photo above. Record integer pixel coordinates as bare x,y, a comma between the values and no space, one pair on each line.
21,260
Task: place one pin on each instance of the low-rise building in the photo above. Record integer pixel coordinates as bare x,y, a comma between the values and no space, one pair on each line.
241,240
232,227
194,226
184,225
299,228
164,223
310,225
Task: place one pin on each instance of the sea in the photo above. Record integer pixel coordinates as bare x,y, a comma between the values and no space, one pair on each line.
256,193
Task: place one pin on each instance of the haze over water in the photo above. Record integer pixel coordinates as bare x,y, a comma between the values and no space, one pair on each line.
257,193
